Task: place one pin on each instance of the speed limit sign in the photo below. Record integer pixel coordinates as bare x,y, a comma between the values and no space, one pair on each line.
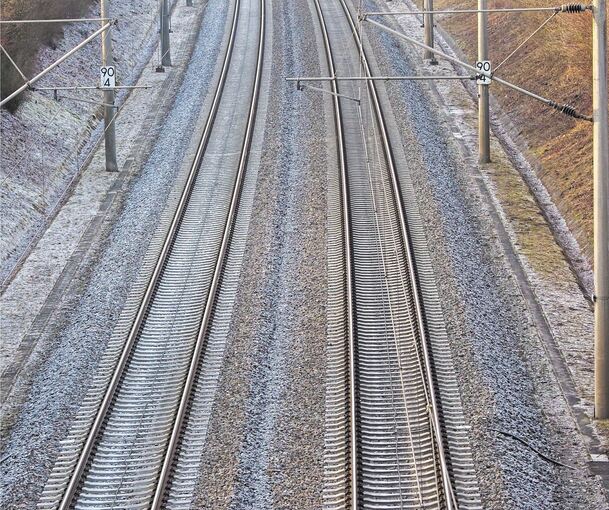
483,77
107,76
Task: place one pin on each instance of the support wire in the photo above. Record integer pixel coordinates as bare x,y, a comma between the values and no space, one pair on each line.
526,41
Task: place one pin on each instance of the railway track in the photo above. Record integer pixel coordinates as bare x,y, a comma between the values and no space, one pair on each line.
386,437
125,450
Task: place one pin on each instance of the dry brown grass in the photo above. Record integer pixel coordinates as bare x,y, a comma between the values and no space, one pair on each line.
555,64
23,41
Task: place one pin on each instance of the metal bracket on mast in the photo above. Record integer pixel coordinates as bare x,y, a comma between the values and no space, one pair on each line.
300,86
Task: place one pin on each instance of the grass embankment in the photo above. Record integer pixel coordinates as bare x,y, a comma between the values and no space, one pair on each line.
556,64
23,41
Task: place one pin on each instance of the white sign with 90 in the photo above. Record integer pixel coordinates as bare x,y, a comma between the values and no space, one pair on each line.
107,76
484,72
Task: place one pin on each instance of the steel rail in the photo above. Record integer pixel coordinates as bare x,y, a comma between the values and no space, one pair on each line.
218,270
155,277
449,496
348,261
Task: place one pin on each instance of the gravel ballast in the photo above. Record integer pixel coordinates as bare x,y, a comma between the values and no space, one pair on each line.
265,442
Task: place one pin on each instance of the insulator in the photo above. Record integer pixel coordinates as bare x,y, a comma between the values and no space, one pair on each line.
572,8
564,108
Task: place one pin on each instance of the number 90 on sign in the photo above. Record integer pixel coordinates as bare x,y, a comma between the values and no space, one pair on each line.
483,77
107,77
